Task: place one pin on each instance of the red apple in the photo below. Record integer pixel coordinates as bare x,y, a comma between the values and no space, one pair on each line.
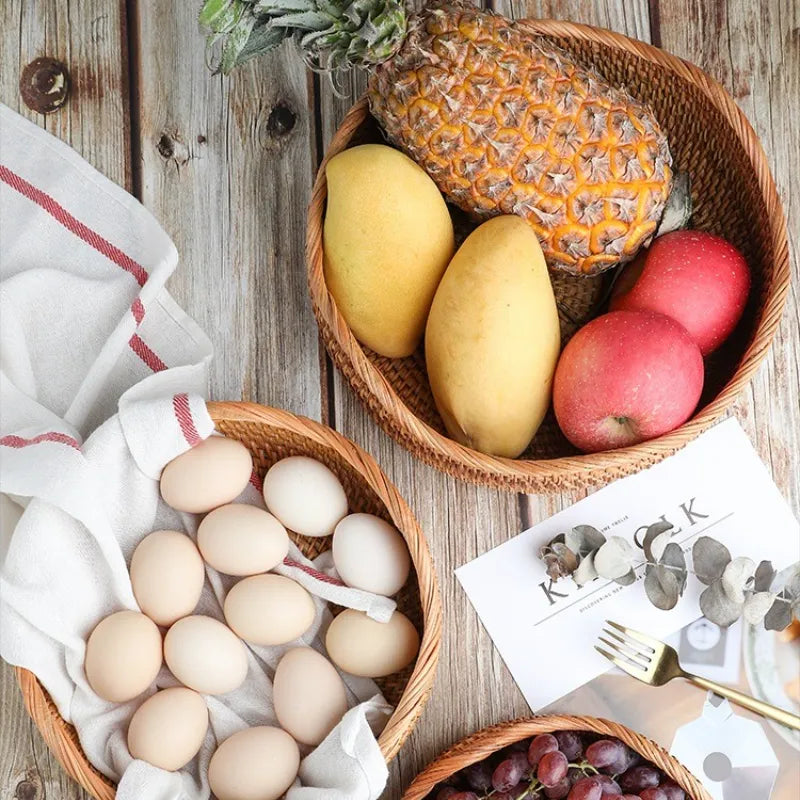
625,377
696,278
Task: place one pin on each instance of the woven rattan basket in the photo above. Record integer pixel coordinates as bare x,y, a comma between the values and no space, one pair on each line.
734,196
487,741
270,435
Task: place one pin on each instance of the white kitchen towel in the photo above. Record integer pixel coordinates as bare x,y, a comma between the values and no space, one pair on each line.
102,377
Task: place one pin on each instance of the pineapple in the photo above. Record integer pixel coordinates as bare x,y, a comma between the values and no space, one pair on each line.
505,123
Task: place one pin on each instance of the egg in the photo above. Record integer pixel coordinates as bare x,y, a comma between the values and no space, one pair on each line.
205,655
361,646
238,539
254,764
269,609
209,475
168,729
370,554
167,575
123,656
305,495
308,695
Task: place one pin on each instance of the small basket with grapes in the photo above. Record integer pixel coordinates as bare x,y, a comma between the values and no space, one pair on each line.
555,757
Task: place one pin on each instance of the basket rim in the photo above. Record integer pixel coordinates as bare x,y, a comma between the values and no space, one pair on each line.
486,741
61,737
562,472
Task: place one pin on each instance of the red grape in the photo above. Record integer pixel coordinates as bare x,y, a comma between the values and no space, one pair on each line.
653,793
586,789
507,775
609,755
552,768
478,776
638,778
464,796
544,743
673,791
608,785
569,743
559,791
446,793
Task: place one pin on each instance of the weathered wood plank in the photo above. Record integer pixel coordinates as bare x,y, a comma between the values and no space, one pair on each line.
226,167
87,37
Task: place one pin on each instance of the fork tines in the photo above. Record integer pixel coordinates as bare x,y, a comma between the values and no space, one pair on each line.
632,651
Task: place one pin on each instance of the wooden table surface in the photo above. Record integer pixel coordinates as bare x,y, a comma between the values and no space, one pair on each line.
226,165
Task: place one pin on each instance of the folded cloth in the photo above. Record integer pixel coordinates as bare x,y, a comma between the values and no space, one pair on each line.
102,378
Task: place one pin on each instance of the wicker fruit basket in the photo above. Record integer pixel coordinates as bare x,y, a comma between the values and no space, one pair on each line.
734,196
489,740
271,434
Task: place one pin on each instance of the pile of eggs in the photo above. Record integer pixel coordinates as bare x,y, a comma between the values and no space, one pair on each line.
125,650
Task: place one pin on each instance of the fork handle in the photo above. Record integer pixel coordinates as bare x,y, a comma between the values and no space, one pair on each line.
746,701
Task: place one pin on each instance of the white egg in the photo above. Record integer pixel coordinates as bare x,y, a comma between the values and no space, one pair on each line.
205,655
167,575
168,729
370,554
209,475
308,695
239,539
123,656
254,764
305,495
361,646
269,609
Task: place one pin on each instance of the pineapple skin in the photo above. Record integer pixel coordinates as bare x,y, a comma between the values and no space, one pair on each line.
505,124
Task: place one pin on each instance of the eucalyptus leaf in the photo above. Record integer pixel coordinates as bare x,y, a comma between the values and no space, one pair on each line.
793,584
710,558
757,605
575,540
779,615
765,574
673,560
628,578
659,544
614,558
559,560
735,577
591,536
796,608
586,571
656,529
661,587
718,607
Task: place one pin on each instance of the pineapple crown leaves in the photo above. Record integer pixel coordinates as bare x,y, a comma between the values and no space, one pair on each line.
331,34
735,587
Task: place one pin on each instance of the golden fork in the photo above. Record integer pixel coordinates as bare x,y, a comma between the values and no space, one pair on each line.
655,663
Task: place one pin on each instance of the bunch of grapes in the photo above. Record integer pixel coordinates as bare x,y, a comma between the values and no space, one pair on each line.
566,765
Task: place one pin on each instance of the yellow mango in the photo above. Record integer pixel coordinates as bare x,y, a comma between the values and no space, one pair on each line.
387,240
492,339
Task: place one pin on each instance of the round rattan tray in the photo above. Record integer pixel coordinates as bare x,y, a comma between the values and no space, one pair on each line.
487,741
271,434
733,195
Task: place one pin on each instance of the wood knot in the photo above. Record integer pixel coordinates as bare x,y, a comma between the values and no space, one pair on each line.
44,85
281,121
26,790
171,148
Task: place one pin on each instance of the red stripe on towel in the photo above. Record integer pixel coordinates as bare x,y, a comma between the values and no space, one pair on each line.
320,576
139,347
137,309
256,481
180,404
60,214
53,436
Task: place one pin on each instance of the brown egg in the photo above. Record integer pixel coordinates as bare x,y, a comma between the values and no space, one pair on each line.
308,695
123,656
269,609
168,729
167,574
255,764
209,475
361,646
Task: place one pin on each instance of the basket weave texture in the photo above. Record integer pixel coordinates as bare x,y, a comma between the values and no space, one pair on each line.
271,434
489,740
733,195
